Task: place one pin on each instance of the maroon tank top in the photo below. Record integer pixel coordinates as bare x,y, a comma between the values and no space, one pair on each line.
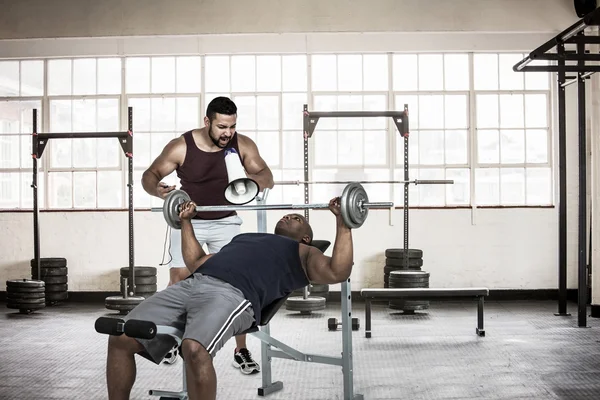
204,177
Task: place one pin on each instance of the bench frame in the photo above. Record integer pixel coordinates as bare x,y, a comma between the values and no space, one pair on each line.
425,294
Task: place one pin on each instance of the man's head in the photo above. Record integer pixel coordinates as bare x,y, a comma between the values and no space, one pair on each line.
296,227
221,119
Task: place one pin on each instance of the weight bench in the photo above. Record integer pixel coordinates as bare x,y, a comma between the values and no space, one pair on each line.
425,294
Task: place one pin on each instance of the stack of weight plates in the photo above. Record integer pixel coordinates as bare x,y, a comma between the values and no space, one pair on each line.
25,295
54,273
315,290
395,261
145,280
409,279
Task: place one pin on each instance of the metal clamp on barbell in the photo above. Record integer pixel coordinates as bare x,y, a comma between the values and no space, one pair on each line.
354,206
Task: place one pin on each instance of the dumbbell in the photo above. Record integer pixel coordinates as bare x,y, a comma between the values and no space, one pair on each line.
332,324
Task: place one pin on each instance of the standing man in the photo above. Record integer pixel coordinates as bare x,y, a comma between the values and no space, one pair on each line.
199,159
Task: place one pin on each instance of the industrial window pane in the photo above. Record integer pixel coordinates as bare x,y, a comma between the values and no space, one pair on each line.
26,108
137,75
9,78
9,151
349,72
109,76
350,148
349,103
536,110
216,74
141,150
59,77
488,146
84,76
84,189
268,73
487,186
109,152
413,148
326,148
458,193
456,148
375,72
512,186
188,109
60,122
375,147
456,72
158,141
60,190
292,106
141,199
375,103
26,151
432,195
431,72
189,73
83,114
487,111
511,111
268,146
539,186
455,112
537,80
512,146
141,114
537,146
267,112
430,112
292,194
27,190
294,74
163,114
246,113
413,190
163,74
485,71
326,103
84,153
324,72
509,79
431,147
32,78
405,72
293,149
413,108
10,117
243,73
9,189
110,189
107,114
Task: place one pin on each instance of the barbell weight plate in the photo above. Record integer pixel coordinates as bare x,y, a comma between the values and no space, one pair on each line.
352,214
50,271
49,262
57,296
171,207
399,253
299,303
24,283
399,262
121,303
57,287
138,271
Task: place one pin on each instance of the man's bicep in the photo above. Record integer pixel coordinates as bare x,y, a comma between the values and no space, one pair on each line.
252,160
167,161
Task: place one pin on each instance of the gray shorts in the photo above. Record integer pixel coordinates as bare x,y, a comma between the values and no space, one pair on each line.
208,310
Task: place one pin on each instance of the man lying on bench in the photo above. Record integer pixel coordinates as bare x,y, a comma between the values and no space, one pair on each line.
224,296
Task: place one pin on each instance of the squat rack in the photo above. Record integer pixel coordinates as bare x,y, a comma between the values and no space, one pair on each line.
573,35
39,142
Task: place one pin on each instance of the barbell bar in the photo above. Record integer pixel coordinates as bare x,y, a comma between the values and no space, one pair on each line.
415,181
354,206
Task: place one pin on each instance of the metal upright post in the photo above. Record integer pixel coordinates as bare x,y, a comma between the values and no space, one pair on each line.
347,364
34,185
406,179
131,287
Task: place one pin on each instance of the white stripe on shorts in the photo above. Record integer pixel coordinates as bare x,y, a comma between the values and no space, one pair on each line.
234,314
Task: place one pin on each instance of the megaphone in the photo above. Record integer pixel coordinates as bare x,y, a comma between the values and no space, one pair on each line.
240,189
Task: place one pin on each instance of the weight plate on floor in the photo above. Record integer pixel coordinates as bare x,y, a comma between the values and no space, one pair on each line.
24,283
122,304
26,308
399,253
299,303
58,287
49,262
143,288
55,280
138,271
16,296
400,262
57,296
51,271
39,300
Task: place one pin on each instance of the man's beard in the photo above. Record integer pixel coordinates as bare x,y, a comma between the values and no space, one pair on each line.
216,141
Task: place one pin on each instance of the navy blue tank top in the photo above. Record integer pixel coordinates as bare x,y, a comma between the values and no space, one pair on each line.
263,266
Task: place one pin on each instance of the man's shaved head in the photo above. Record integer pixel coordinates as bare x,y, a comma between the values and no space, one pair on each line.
296,227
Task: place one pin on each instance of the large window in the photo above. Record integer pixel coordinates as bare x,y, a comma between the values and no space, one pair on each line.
472,119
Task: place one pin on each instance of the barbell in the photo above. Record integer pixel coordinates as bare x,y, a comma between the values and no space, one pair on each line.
354,206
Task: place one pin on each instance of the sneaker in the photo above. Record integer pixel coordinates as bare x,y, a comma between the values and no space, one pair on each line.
172,356
242,359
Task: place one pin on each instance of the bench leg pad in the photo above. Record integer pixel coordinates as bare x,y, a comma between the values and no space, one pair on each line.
273,387
480,332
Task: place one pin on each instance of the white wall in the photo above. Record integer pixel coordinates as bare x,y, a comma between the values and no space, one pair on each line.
498,248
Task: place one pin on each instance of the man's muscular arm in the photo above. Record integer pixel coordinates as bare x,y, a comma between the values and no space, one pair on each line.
168,160
322,269
256,168
193,254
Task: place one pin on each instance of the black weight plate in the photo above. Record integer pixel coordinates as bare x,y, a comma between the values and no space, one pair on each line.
60,287
138,271
299,303
55,280
18,296
409,305
144,294
24,283
26,301
49,262
409,274
400,262
144,288
387,269
57,296
25,290
399,253
53,271
121,303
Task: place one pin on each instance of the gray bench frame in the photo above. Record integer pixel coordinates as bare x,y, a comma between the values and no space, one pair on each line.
372,294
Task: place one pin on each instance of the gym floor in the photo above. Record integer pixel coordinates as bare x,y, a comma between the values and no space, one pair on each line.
527,353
